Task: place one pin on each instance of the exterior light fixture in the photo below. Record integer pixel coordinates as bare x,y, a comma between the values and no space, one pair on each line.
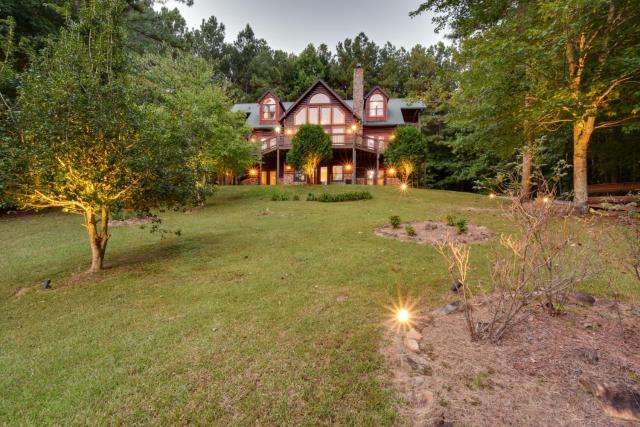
278,129
347,167
287,167
253,172
289,132
349,131
492,195
392,137
546,199
354,127
253,139
403,316
391,171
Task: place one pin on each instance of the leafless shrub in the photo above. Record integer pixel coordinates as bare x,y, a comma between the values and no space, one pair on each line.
457,257
632,242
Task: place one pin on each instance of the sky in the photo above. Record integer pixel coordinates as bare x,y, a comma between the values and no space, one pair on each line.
290,25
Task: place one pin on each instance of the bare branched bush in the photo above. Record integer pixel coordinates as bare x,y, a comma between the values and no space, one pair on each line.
457,257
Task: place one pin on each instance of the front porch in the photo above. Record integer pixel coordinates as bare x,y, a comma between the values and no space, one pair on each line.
347,166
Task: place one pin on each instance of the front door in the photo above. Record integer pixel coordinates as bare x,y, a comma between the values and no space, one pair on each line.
324,175
272,177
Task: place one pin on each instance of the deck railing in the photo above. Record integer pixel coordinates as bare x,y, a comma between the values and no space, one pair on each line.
338,140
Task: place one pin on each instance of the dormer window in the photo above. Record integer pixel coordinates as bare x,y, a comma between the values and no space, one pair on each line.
269,109
376,106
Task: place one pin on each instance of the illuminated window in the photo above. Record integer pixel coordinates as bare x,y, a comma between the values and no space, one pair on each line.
325,116
338,116
313,116
320,98
269,109
300,117
376,105
338,173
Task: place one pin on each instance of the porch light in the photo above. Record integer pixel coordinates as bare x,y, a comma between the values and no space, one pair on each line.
354,127
391,171
253,172
349,131
253,139
278,129
392,137
492,195
289,132
287,167
370,173
347,167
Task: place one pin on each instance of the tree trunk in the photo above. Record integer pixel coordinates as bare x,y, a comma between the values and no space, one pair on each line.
98,238
582,131
527,161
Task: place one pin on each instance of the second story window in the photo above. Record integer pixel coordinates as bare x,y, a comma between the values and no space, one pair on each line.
376,105
269,109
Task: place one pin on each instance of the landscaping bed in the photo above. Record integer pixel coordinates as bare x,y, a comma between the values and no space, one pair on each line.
434,232
574,369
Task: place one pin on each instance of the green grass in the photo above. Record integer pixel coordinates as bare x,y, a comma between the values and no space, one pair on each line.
245,319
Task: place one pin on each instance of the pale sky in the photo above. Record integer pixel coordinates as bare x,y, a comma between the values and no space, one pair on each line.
290,25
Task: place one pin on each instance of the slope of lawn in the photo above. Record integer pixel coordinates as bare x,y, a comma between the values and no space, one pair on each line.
245,319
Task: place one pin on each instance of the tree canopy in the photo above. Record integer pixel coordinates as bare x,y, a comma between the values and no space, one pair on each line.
310,146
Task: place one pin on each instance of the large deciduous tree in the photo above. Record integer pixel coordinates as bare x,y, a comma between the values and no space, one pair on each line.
86,142
310,146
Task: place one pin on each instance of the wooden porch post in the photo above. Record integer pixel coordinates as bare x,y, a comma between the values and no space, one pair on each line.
260,169
377,168
353,172
278,166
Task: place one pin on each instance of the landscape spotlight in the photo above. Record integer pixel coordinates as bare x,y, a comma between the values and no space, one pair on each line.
253,172
492,195
403,315
391,171
404,186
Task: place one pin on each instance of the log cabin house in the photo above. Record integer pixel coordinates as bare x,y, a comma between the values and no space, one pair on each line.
360,130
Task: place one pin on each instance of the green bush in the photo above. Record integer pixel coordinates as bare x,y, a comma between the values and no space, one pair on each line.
296,198
451,220
410,230
461,225
340,197
394,220
279,197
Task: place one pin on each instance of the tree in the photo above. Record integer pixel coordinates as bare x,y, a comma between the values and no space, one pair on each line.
208,41
86,142
310,146
407,151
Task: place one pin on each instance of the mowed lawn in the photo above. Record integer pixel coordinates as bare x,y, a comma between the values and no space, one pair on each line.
244,319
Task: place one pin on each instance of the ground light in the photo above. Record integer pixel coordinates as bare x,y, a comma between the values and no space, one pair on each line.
253,172
403,316
391,171
404,187
492,195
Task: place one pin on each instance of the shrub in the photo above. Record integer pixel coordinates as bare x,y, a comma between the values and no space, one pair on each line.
296,198
451,220
395,221
410,230
279,197
340,197
461,225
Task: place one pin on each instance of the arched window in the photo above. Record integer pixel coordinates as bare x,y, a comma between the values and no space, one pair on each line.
376,105
269,109
319,98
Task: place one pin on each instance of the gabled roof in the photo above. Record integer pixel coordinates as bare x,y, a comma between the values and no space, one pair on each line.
304,95
273,95
373,90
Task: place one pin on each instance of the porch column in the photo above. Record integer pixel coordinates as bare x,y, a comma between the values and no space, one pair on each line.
353,172
260,170
278,165
377,168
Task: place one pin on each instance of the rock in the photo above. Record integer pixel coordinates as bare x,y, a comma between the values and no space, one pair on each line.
455,287
414,335
583,298
46,284
589,355
418,381
451,308
418,364
424,320
618,401
411,345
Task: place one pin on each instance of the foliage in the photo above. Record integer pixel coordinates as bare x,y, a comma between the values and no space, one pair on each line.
451,220
339,197
279,196
461,225
394,220
86,141
310,146
411,232
407,150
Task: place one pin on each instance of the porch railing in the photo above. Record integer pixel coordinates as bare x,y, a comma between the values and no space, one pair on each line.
338,140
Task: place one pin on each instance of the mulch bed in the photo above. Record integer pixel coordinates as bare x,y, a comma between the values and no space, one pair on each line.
434,232
534,377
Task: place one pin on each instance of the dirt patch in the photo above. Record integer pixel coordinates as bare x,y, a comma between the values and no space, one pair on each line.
533,378
435,233
130,221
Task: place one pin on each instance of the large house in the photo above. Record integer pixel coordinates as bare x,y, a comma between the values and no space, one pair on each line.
360,130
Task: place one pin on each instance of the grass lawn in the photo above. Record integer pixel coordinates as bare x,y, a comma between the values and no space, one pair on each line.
245,319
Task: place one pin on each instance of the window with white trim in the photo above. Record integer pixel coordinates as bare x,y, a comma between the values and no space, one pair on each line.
376,105
300,117
269,109
319,98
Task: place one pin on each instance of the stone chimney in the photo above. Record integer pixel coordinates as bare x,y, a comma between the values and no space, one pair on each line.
358,91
